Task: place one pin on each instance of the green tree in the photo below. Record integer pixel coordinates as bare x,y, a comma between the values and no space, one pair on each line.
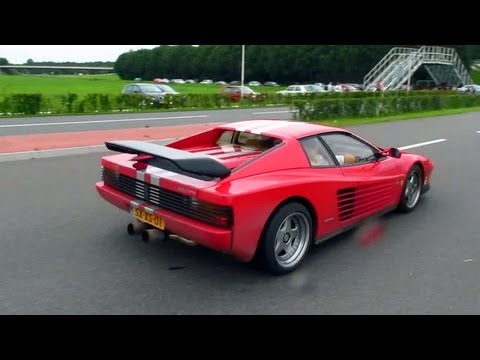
281,63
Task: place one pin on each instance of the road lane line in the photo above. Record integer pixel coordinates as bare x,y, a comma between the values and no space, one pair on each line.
421,144
274,112
478,132
103,121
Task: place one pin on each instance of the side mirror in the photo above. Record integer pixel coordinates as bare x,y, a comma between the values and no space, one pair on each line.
394,152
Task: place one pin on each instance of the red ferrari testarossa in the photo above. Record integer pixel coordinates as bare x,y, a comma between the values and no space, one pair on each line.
260,189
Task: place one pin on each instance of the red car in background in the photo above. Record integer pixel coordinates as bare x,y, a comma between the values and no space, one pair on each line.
262,189
234,92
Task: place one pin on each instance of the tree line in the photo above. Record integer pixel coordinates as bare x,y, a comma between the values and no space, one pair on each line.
4,61
280,63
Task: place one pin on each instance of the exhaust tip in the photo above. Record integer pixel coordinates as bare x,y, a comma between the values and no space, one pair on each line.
136,227
153,235
130,229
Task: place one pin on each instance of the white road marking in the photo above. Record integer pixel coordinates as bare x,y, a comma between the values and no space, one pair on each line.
478,132
421,144
274,112
103,121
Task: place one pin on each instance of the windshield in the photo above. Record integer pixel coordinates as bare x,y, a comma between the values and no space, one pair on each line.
150,88
166,88
246,89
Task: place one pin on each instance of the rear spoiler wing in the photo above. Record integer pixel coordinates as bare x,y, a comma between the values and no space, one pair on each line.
186,161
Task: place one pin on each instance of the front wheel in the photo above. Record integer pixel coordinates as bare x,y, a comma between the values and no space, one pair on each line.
286,239
412,189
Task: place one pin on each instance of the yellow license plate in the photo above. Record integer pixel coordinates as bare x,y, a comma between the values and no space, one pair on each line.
148,218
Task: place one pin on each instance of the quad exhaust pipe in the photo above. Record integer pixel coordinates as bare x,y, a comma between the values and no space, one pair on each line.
150,234
136,228
153,235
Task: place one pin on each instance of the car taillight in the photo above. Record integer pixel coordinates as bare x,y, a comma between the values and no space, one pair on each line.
223,221
217,215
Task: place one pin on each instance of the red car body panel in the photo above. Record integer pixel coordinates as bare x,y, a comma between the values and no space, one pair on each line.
260,181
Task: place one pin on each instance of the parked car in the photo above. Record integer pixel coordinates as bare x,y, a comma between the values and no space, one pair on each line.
322,85
151,93
298,90
167,90
469,89
318,88
345,88
270,83
256,190
359,87
206,82
254,83
234,92
161,81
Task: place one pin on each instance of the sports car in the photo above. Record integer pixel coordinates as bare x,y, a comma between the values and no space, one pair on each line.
263,190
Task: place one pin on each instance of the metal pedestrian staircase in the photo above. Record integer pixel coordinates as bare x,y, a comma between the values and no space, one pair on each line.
397,67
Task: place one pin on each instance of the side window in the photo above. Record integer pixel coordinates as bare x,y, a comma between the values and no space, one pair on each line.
225,138
348,149
244,137
256,141
136,89
128,89
316,152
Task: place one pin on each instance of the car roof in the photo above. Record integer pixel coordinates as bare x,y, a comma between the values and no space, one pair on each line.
141,84
280,129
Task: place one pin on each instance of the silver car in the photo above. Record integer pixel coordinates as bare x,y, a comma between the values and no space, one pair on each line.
469,89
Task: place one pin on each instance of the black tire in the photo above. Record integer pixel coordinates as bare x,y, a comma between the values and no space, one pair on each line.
411,196
293,223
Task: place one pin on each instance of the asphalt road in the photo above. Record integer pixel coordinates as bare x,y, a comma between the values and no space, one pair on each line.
64,250
60,124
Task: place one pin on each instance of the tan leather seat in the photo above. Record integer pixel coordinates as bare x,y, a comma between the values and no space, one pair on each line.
255,143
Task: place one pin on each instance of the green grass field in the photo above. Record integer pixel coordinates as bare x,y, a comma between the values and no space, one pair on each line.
91,84
475,76
105,84
56,86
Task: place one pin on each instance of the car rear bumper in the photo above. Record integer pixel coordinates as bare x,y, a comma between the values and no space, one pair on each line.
204,234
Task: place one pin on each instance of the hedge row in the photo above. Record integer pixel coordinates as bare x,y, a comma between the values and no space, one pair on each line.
320,109
30,104
310,105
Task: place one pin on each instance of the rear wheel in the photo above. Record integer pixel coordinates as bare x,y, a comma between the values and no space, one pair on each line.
286,239
412,189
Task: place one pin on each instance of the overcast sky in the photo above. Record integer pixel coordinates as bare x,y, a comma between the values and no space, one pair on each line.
19,54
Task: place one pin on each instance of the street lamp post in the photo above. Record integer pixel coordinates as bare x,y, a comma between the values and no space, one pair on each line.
243,72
